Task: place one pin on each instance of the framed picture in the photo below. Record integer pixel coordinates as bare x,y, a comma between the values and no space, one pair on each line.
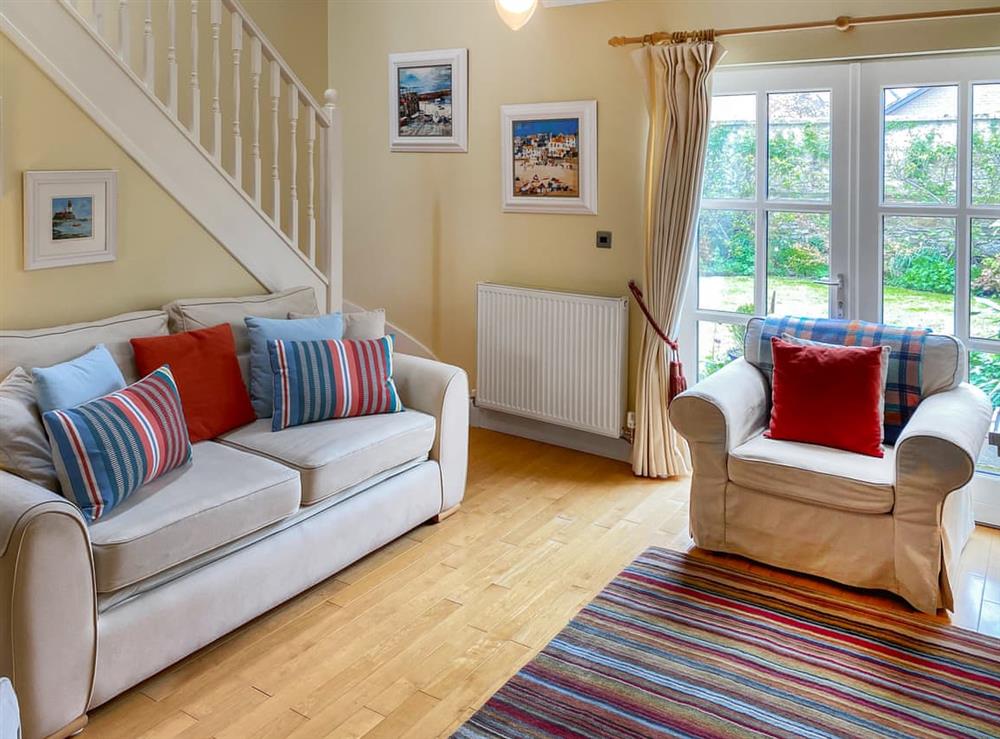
429,101
69,218
549,157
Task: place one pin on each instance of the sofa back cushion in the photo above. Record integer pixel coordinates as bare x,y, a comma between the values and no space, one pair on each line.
942,367
47,346
188,314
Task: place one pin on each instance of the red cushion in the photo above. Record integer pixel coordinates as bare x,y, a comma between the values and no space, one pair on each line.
828,396
207,373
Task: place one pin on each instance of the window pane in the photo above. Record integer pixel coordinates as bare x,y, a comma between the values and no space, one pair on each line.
726,252
918,272
986,144
732,148
918,147
985,307
798,146
718,345
798,252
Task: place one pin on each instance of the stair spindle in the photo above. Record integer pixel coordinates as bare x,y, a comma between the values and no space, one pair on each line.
172,56
275,179
255,84
99,18
293,122
310,206
237,136
215,16
123,31
195,90
148,74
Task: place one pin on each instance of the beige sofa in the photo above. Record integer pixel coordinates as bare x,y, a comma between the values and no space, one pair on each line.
898,523
89,611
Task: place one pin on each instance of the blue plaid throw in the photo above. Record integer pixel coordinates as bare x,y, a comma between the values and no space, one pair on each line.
902,390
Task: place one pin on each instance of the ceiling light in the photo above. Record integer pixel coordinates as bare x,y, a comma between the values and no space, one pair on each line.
515,13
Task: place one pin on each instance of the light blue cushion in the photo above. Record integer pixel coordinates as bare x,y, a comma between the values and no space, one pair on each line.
264,330
78,381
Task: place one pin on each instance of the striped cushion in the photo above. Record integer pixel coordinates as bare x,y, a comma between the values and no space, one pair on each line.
108,448
319,380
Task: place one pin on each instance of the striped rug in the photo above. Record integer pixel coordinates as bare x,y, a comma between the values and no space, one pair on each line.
676,646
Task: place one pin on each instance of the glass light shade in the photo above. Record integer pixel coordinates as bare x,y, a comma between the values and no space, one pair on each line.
515,13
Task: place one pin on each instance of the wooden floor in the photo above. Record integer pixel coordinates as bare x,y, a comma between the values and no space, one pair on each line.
411,639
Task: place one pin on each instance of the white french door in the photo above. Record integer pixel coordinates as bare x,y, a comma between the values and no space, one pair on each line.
774,227
860,190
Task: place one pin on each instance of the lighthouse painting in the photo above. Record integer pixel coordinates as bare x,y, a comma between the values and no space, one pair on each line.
72,218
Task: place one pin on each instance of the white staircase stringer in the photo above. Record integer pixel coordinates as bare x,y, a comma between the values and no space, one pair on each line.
79,63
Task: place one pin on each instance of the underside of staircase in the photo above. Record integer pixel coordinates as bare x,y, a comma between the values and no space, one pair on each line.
74,50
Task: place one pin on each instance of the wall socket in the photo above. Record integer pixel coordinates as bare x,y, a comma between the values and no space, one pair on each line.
603,240
630,420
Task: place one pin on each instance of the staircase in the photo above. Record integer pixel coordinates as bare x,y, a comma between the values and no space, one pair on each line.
241,145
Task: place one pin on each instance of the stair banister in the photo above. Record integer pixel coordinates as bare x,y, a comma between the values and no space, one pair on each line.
315,236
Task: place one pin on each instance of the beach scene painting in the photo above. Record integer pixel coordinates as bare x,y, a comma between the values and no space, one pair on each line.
72,218
546,158
425,100
548,161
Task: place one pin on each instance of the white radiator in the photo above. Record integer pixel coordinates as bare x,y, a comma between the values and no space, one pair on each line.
555,357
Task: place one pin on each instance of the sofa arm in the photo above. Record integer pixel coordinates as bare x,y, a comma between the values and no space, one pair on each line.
936,452
726,408
48,612
442,391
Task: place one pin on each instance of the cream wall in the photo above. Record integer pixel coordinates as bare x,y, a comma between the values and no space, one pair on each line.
421,229
163,253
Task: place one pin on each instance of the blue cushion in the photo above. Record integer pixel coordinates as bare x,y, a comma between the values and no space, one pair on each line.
265,330
73,383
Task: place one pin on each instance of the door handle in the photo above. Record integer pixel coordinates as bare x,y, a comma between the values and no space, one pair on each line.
839,284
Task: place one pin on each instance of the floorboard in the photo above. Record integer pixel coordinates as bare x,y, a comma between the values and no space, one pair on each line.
410,640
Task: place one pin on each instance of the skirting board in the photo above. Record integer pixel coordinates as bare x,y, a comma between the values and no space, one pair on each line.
548,433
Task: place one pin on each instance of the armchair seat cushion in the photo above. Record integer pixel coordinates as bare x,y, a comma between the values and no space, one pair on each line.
222,495
333,456
828,477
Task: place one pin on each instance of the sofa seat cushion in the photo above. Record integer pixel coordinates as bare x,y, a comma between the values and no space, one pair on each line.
222,495
828,477
331,456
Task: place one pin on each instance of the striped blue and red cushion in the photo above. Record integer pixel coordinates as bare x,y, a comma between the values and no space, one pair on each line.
319,380
108,448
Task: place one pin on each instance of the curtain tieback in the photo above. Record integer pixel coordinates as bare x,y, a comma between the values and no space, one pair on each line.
678,383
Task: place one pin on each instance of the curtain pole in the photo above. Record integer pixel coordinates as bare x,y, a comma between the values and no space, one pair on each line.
843,23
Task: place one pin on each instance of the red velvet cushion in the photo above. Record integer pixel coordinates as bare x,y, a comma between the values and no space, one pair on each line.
827,396
204,366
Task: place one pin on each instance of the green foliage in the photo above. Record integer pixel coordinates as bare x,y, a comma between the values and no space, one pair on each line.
729,161
919,163
984,373
717,358
798,162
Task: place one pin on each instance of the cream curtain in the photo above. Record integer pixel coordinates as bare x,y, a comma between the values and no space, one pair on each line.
677,90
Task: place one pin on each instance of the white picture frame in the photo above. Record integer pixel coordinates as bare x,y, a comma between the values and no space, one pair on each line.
432,123
70,218
550,128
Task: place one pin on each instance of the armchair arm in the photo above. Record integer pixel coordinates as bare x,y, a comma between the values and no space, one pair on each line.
937,450
715,416
48,610
726,408
440,390
935,455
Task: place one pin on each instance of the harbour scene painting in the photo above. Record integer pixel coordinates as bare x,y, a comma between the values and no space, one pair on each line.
72,218
425,100
546,158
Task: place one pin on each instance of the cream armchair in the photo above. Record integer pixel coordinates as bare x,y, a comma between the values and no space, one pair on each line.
898,523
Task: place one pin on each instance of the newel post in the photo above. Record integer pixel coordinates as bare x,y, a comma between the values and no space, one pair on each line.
333,203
